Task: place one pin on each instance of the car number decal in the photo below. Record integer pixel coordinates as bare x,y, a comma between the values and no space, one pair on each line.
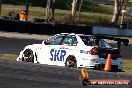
57,55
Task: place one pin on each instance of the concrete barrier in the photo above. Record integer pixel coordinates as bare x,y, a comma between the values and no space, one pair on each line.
112,31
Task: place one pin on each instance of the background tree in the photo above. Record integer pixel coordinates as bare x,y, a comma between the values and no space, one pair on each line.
80,6
74,4
0,6
115,12
47,13
123,13
50,4
53,9
119,6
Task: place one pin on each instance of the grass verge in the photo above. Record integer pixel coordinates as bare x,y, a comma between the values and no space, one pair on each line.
128,66
11,57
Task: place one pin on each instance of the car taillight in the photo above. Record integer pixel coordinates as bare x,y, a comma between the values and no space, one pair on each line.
93,51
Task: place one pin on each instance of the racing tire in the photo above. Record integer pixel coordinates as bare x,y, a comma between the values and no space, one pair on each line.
28,56
71,61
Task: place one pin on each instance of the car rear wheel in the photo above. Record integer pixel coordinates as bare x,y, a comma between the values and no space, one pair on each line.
71,61
28,56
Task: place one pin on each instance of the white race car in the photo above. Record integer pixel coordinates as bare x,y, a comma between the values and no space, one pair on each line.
72,50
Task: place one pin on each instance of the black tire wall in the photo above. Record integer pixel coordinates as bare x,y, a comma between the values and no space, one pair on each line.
42,28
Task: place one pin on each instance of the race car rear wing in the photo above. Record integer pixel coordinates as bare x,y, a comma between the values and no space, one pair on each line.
119,40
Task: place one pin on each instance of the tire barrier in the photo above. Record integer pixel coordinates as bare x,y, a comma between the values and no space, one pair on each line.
42,28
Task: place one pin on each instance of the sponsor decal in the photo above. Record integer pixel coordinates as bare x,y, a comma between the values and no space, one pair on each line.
57,55
110,82
87,81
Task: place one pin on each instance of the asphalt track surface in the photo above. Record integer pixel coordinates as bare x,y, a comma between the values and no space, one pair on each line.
14,46
28,75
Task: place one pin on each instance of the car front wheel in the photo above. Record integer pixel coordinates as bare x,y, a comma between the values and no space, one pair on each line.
71,61
28,56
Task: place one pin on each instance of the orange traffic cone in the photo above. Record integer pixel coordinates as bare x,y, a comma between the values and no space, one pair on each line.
108,63
84,73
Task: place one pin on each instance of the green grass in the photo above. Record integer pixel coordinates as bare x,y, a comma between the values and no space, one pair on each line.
11,57
95,19
91,7
128,66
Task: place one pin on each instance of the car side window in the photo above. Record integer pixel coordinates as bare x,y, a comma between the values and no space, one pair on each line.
70,40
55,40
